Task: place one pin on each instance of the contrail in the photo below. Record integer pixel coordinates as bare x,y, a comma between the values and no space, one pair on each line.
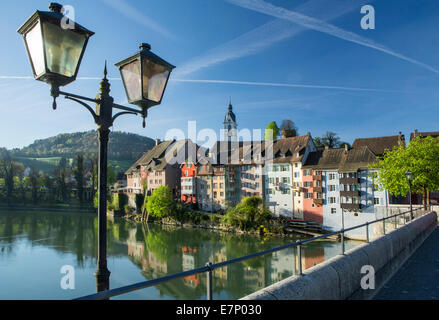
288,85
268,34
318,25
247,83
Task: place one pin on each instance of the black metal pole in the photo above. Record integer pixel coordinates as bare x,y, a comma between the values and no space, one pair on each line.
104,119
410,196
102,274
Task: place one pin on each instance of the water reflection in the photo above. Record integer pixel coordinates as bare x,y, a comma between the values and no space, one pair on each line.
154,251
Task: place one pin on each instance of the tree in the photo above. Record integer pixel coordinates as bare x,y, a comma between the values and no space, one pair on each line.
61,172
35,182
161,203
272,131
111,175
249,214
331,140
289,129
318,143
79,176
8,170
421,157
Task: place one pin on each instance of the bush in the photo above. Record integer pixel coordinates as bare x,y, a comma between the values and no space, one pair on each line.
249,214
119,201
128,209
161,203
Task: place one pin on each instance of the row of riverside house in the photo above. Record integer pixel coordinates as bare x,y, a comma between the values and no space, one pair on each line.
297,180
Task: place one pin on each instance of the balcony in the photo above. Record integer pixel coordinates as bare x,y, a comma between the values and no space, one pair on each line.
349,181
317,177
318,189
351,206
318,202
350,194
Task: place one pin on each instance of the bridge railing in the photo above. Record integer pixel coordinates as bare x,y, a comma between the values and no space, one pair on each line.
406,216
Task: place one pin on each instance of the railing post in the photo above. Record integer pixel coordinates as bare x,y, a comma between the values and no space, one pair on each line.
299,256
342,242
209,281
396,223
367,232
384,225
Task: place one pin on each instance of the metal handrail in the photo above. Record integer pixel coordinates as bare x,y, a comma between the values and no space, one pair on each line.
209,268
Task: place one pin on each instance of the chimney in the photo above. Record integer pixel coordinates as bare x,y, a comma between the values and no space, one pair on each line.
346,147
400,137
157,142
416,133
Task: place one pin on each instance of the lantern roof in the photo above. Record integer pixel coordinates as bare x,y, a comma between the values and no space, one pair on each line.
55,15
145,52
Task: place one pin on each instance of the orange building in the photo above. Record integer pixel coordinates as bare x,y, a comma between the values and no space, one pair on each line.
188,182
312,196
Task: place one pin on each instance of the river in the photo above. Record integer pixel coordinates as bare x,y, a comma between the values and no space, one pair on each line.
34,246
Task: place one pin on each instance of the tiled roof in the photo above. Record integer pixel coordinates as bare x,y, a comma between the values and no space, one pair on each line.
358,158
326,159
341,159
159,156
378,145
286,148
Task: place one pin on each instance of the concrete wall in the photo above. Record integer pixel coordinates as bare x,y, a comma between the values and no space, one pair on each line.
339,278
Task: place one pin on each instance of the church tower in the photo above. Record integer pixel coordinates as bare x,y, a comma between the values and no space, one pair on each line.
230,125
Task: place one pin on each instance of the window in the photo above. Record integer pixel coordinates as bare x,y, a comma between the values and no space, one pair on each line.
331,187
296,174
376,200
318,195
332,176
308,184
189,166
333,210
332,200
222,194
308,195
296,165
306,172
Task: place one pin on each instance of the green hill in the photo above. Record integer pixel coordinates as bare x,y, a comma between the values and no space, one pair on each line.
124,149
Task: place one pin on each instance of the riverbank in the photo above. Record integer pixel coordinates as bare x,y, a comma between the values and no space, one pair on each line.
274,229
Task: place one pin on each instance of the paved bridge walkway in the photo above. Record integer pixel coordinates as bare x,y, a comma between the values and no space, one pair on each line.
418,278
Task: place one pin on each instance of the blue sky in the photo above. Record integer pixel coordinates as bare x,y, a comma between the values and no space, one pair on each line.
305,60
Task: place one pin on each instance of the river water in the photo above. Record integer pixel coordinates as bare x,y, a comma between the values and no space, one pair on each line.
34,246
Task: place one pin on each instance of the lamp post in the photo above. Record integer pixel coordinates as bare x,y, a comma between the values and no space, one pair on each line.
55,53
409,177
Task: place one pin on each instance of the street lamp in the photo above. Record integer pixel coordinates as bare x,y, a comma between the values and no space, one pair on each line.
55,52
409,177
145,77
